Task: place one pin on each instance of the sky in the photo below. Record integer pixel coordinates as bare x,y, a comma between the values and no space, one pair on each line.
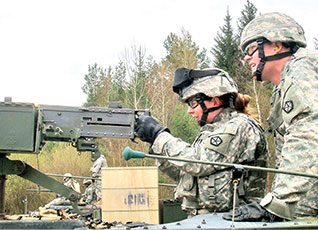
46,46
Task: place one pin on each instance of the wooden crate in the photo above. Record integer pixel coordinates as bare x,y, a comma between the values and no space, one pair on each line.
130,194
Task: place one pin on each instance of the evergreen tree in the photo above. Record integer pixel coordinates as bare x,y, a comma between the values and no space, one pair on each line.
242,75
119,84
225,51
183,51
248,14
93,83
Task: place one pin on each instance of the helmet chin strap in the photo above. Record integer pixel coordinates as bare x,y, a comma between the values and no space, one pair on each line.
261,55
206,110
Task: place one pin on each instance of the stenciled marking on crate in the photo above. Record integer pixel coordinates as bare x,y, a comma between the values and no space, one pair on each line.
137,199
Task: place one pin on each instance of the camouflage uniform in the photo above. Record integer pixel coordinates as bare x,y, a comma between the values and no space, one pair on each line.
232,137
89,196
99,163
295,120
294,116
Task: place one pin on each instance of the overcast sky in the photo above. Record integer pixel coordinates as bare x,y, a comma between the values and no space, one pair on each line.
46,46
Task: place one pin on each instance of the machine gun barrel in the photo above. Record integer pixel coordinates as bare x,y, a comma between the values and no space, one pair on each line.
129,153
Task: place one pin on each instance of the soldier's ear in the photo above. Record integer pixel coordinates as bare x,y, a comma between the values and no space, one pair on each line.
215,101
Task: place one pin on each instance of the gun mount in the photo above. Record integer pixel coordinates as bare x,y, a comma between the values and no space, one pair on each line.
26,127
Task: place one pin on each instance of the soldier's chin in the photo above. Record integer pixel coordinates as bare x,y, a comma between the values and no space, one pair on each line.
201,123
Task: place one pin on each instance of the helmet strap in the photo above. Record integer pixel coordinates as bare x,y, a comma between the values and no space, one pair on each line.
200,100
261,55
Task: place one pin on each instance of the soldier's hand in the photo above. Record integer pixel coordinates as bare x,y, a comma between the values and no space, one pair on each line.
148,128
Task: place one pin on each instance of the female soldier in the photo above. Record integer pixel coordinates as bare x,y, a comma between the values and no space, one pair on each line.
228,134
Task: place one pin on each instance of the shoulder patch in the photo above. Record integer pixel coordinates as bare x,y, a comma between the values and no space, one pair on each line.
288,107
291,104
218,142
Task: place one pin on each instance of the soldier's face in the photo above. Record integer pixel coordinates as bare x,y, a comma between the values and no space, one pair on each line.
196,111
253,59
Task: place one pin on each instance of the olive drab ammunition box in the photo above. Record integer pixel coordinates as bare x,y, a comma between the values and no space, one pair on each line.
18,125
130,194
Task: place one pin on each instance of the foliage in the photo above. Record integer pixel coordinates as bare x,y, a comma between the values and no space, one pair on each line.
138,81
95,84
183,125
56,158
225,51
247,15
242,70
183,51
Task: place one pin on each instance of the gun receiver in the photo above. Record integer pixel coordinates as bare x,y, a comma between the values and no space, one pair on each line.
26,127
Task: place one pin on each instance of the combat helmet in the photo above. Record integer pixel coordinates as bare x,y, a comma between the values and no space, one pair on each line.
67,175
212,82
272,27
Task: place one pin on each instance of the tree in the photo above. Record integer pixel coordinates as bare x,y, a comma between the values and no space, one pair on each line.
119,84
182,51
94,81
248,14
138,69
242,74
225,51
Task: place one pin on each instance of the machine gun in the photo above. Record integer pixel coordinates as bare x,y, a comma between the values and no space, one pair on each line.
26,127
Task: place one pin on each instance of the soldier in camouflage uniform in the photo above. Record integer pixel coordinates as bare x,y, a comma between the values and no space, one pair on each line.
89,196
228,134
274,46
68,182
99,162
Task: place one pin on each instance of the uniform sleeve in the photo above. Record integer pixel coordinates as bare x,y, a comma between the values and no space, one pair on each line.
300,115
236,144
170,169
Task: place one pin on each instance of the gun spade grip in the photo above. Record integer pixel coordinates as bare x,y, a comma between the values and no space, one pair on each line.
129,153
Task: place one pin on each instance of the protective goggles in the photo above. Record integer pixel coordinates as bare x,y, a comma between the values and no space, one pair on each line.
251,49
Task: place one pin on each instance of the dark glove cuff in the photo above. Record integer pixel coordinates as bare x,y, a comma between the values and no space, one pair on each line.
162,129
